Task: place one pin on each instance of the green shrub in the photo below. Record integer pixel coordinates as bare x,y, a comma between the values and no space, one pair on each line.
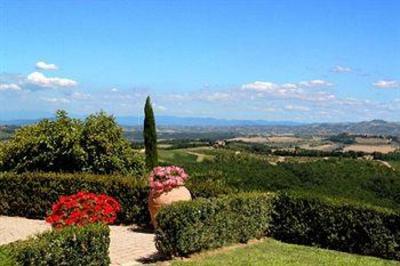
5,258
70,246
94,145
343,138
387,187
391,156
188,227
32,194
336,225
208,189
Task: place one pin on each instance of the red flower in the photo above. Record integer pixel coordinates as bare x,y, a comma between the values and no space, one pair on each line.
83,208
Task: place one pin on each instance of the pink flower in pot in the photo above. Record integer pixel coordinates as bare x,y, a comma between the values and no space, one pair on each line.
166,187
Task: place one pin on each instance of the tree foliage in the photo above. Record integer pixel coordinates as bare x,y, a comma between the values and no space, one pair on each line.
107,150
65,144
226,172
150,136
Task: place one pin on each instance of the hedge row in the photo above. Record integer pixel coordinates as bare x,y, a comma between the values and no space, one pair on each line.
70,246
188,227
336,225
31,195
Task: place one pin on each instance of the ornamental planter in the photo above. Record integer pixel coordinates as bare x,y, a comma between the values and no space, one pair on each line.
158,200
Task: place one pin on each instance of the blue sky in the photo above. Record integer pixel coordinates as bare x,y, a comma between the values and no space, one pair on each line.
274,60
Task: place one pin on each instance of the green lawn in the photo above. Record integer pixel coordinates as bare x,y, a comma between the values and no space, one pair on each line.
272,252
176,155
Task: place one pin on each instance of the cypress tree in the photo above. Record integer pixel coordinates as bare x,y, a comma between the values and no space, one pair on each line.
150,136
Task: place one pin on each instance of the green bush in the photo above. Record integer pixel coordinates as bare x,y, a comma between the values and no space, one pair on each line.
32,194
5,258
94,145
208,189
391,156
336,225
188,227
70,246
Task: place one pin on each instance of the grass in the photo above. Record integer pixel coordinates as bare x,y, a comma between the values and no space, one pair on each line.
395,164
189,155
176,155
272,252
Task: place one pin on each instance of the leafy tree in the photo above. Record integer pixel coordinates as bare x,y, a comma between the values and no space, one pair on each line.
106,148
45,146
150,136
69,145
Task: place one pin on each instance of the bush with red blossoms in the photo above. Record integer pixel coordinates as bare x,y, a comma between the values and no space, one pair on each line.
163,179
83,208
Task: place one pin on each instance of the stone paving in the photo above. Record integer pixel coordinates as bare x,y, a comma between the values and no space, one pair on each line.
129,245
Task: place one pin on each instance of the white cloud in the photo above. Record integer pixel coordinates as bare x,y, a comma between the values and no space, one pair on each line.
204,96
114,89
318,97
342,69
45,66
55,100
299,91
161,108
316,83
80,96
297,108
39,79
216,96
267,109
289,86
9,87
387,84
264,86
260,86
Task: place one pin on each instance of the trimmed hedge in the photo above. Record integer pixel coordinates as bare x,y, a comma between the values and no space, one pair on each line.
31,195
188,227
336,225
70,246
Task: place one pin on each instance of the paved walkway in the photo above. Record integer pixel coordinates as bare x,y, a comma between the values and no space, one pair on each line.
129,246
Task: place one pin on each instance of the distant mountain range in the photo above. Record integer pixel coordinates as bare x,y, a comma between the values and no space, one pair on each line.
176,121
19,122
374,127
202,121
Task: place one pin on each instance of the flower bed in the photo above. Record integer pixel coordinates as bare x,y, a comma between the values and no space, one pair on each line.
87,245
83,208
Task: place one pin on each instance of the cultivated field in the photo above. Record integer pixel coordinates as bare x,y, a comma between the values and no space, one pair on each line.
370,148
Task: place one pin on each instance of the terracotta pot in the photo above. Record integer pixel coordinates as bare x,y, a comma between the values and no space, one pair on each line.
156,201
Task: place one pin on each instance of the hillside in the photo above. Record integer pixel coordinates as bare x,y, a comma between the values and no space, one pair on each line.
169,126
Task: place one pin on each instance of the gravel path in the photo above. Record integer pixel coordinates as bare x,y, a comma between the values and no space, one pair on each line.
129,246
